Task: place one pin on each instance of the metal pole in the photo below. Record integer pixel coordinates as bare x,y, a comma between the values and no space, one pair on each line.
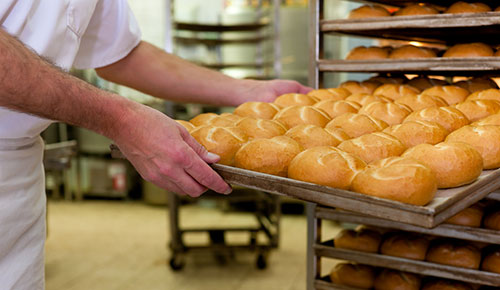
277,42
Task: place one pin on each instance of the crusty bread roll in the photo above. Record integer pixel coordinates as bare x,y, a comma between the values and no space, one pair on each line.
325,165
451,94
469,217
393,79
187,125
261,128
231,117
368,11
356,125
329,94
490,120
353,275
309,136
423,83
271,156
485,139
416,9
367,53
454,163
492,220
476,49
259,110
364,240
365,87
374,146
491,261
223,141
478,109
477,84
288,100
489,94
411,51
420,102
396,91
464,7
213,119
391,113
338,133
398,178
448,117
413,133
336,108
365,99
443,284
454,253
396,280
404,245
297,115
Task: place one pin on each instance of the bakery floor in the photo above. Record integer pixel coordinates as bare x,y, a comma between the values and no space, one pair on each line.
122,245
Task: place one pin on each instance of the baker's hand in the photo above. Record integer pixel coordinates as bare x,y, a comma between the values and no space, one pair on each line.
164,153
267,91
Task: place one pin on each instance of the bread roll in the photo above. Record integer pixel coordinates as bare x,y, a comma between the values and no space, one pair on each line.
464,7
212,119
454,163
374,146
469,217
325,165
478,109
475,49
411,51
258,110
451,94
416,9
223,141
396,280
367,53
454,253
413,133
443,284
448,117
261,128
336,94
364,240
356,125
368,11
309,136
395,91
492,220
383,79
288,100
398,178
490,120
477,84
485,139
230,116
489,94
365,99
297,115
404,245
336,108
353,275
366,87
491,261
391,113
271,156
338,133
423,83
420,102
187,125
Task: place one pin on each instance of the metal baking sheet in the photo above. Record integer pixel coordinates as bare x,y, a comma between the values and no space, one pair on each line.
413,266
444,3
324,283
446,203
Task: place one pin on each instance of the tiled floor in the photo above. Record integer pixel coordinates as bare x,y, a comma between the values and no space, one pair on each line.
122,245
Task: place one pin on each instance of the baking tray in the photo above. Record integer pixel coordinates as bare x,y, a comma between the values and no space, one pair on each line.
325,283
444,3
413,266
443,230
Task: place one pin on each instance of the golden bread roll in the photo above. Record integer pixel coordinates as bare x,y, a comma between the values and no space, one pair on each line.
363,240
416,9
451,94
485,139
475,110
366,53
475,49
411,51
391,113
490,120
231,117
223,141
396,91
381,79
404,245
492,220
489,94
187,125
261,128
336,94
454,253
413,133
420,102
365,99
374,146
491,261
356,125
454,163
213,119
368,11
336,108
396,280
477,84
297,115
423,83
365,87
288,100
464,7
271,156
309,136
469,217
353,275
325,165
442,284
448,117
258,110
397,178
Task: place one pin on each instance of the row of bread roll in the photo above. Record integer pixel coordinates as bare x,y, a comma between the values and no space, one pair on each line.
478,215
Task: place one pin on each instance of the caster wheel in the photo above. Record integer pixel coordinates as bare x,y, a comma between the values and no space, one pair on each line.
261,262
176,263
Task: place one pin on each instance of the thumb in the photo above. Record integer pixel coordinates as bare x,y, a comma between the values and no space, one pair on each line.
199,149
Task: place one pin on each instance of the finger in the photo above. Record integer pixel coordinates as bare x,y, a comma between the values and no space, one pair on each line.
199,149
304,89
182,183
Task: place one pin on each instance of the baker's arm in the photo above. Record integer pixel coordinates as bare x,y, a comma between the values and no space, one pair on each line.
157,73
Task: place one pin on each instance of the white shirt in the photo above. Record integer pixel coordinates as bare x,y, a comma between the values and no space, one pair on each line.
79,33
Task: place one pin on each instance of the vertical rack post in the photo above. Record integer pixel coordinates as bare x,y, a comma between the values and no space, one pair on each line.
316,42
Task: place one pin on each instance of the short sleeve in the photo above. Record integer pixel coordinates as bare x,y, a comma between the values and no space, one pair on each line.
110,36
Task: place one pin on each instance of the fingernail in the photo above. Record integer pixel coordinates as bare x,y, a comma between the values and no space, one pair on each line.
228,191
213,156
